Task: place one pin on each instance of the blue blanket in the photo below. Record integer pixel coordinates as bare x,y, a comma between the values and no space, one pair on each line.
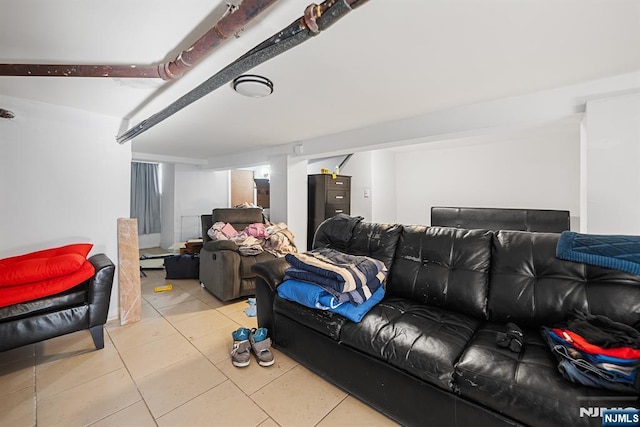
314,296
347,277
610,251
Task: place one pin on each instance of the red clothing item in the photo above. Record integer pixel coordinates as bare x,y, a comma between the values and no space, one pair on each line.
583,345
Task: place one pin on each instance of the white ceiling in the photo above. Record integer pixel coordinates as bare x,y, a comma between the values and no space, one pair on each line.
386,60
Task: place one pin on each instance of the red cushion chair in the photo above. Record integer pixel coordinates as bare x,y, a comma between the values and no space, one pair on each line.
43,273
54,292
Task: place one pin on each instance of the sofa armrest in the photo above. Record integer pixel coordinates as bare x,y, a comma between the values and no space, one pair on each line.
270,275
100,289
272,271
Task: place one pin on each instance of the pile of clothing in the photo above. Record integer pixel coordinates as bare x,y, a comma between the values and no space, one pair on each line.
256,238
327,279
596,351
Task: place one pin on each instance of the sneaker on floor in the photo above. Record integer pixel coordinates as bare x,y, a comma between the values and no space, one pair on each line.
261,346
241,352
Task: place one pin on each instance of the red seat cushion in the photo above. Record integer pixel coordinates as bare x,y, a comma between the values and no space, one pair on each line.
30,291
75,248
43,265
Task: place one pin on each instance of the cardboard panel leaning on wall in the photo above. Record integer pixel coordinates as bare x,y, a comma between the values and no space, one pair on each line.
63,179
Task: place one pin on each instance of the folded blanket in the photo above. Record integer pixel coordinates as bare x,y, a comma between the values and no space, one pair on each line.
618,252
348,277
357,296
313,296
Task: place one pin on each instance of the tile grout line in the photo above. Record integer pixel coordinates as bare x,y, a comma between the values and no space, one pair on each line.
92,379
123,409
133,381
75,385
268,416
332,409
193,346
250,396
35,387
195,397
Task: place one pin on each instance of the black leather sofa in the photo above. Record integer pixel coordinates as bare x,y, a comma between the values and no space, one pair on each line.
427,354
85,306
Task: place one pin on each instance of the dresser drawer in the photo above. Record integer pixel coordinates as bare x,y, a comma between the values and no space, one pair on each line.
338,197
331,210
340,183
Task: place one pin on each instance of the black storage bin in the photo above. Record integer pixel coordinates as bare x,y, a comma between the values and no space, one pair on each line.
185,266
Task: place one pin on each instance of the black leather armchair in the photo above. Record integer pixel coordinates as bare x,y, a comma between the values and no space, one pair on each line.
82,307
224,271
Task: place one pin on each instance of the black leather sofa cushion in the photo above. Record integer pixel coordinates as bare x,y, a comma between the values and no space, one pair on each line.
69,298
325,322
421,340
445,267
530,286
374,240
526,385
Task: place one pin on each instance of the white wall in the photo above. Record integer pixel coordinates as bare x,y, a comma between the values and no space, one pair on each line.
383,187
359,168
538,172
149,240
197,191
288,190
63,179
297,200
612,173
315,166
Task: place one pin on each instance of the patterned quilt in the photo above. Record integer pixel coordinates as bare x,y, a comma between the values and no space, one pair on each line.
619,252
347,277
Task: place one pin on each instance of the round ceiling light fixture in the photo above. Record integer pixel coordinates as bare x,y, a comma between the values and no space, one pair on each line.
253,86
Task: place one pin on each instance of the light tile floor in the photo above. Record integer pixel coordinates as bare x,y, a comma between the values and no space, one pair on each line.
170,369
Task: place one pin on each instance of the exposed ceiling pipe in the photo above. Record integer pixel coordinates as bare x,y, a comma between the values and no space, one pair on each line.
59,70
228,25
316,19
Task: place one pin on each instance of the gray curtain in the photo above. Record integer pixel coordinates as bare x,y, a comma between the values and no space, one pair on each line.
145,197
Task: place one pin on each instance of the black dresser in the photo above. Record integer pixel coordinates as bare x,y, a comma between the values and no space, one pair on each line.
327,197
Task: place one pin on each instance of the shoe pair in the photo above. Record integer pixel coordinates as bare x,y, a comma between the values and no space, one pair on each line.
245,340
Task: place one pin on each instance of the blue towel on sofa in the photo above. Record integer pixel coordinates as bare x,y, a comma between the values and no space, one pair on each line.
619,252
314,296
